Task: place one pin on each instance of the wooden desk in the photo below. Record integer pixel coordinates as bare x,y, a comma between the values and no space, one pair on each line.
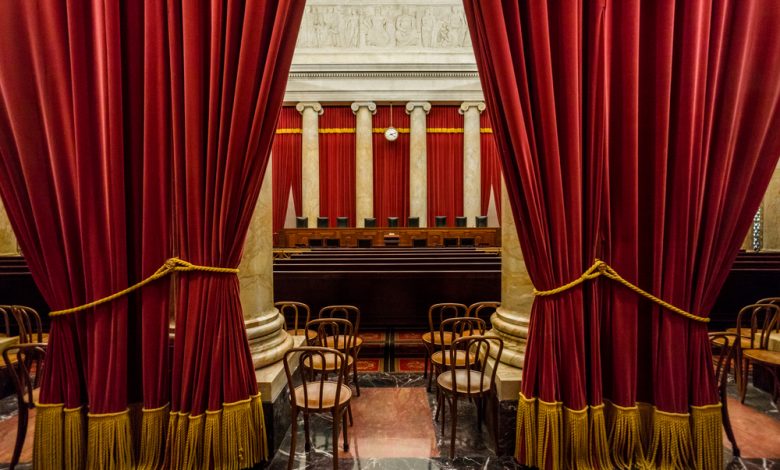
348,237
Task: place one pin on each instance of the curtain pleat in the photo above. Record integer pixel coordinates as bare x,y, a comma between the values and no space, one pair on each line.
286,154
337,164
391,166
445,163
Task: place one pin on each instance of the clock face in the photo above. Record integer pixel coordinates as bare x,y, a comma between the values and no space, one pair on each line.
391,134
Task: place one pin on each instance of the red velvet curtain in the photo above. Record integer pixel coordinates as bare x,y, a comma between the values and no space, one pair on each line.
122,146
286,155
337,163
391,166
491,166
627,132
445,163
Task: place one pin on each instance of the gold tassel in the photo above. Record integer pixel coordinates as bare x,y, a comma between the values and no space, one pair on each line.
48,445
176,441
526,427
74,437
109,440
707,440
258,419
672,446
549,423
193,458
576,447
154,423
599,442
625,438
213,437
646,417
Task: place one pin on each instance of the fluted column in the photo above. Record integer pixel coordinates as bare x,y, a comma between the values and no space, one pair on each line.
268,341
310,159
510,322
418,160
364,161
8,245
472,159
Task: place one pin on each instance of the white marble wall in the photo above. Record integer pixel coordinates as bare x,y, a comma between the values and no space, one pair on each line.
8,245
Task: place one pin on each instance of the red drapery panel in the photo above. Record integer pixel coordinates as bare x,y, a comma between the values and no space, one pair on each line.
337,163
627,132
123,143
286,155
391,166
491,166
445,163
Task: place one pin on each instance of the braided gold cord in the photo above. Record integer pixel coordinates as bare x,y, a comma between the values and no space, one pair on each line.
170,266
600,268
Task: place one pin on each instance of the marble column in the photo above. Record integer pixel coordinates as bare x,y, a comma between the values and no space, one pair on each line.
510,322
418,160
268,340
8,245
472,159
310,159
364,161
771,213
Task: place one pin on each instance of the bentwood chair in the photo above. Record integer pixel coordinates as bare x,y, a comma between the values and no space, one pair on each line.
296,316
760,355
724,351
754,325
28,321
351,313
437,313
773,301
318,395
25,364
454,328
483,310
474,383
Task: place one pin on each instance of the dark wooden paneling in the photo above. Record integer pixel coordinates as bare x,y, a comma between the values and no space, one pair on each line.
348,237
17,286
753,276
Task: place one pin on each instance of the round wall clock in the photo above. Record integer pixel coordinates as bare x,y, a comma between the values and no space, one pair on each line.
391,133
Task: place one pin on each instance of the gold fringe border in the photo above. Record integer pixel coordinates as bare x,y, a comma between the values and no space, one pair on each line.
59,436
608,436
109,440
154,427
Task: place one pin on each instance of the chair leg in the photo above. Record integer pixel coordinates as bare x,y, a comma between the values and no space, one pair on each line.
438,404
355,375
307,441
349,412
293,436
454,420
724,411
745,378
21,433
335,440
344,426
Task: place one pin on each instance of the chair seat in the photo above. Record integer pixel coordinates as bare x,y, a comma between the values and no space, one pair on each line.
461,379
310,334
743,342
329,342
771,358
426,337
330,362
460,358
312,401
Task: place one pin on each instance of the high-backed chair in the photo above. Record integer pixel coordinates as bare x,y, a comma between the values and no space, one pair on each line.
301,222
441,220
296,316
483,310
432,341
481,221
322,222
369,222
352,314
454,328
24,363
316,394
461,221
392,221
342,222
724,353
473,383
413,222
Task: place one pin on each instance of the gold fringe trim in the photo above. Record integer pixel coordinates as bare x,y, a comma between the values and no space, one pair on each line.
672,445
707,440
526,427
599,441
576,448
109,441
625,437
231,438
47,448
154,425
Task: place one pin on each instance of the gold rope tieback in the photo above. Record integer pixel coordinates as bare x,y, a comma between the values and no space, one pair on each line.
600,268
171,265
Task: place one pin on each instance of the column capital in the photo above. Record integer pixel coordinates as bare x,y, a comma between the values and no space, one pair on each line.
300,107
363,104
466,105
426,106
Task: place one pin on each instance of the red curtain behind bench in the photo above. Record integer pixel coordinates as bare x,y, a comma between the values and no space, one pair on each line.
445,164
391,166
286,167
337,163
491,166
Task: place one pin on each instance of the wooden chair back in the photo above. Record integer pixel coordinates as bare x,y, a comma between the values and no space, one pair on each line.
25,362
333,328
773,301
724,347
483,310
480,347
756,322
27,319
437,313
346,312
296,315
308,355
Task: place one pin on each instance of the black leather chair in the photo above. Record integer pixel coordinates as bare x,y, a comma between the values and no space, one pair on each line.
301,222
342,222
441,220
413,222
369,222
461,221
481,221
322,222
392,221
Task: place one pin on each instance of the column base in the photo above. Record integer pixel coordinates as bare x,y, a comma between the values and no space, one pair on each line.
507,395
272,385
268,341
512,327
